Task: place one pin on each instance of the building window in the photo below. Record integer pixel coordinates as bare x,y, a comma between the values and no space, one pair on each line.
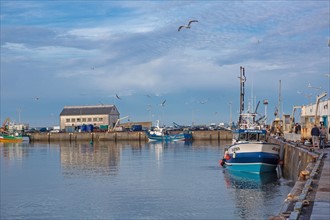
73,120
84,119
67,120
311,119
100,119
89,119
94,119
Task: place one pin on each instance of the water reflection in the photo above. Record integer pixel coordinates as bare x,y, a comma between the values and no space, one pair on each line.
251,192
129,180
90,159
13,151
244,180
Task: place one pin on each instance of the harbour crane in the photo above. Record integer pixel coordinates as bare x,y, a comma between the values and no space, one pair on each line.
4,125
117,122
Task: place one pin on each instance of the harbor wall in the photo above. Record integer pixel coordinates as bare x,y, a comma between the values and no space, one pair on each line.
296,157
121,136
302,164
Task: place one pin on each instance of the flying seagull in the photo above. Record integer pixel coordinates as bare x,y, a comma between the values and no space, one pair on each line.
117,96
163,103
203,101
188,26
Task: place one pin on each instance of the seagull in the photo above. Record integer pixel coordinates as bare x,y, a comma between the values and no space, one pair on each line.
117,96
188,26
203,101
163,103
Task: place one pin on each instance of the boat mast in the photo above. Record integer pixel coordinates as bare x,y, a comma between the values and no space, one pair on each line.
242,81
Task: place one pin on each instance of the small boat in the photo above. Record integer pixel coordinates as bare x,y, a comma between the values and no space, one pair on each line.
250,151
161,134
11,138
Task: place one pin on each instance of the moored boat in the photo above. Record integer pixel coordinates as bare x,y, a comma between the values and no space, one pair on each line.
250,151
161,134
11,138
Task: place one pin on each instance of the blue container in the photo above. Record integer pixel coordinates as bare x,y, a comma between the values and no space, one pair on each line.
83,128
90,128
136,128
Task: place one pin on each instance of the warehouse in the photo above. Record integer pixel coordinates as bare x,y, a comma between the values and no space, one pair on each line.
98,116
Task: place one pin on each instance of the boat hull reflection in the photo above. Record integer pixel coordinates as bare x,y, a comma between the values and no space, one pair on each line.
238,179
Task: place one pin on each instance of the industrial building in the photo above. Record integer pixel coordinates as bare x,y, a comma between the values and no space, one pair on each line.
97,115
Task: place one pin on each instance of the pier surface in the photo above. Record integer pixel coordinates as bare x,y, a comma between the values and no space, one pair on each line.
321,207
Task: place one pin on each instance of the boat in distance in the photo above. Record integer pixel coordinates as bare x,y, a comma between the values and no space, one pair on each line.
11,138
161,134
250,151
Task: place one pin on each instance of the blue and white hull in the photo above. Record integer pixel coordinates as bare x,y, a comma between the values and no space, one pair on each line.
154,136
256,157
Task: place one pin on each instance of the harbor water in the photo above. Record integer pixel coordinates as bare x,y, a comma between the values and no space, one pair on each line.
131,180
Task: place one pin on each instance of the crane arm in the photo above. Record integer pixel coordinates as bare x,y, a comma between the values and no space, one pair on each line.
118,120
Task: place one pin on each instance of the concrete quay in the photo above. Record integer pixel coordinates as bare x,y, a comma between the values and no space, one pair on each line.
309,199
321,206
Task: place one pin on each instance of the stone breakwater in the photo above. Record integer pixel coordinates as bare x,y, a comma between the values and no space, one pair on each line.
121,136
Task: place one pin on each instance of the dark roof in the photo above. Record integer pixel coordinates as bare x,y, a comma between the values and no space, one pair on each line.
89,110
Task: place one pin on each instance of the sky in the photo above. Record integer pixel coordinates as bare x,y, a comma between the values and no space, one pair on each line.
131,54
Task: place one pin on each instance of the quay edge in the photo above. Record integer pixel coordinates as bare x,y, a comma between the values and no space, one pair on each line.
216,135
310,170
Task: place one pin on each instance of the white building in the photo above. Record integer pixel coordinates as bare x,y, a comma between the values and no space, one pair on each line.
99,115
308,113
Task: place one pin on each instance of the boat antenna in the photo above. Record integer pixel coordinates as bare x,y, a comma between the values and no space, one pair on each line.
255,111
242,81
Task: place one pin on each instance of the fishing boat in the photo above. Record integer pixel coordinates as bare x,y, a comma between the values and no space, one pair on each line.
11,138
250,151
161,134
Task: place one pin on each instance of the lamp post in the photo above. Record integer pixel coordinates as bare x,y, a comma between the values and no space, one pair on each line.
328,75
265,104
230,114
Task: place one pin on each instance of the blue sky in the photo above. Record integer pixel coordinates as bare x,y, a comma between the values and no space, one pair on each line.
63,53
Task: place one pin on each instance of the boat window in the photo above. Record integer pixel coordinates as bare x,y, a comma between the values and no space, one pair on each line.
252,137
242,136
262,137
